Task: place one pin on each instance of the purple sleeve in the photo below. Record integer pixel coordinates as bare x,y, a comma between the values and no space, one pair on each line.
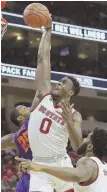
14,137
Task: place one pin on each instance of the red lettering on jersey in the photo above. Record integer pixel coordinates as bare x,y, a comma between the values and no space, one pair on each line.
46,129
42,109
55,118
58,119
51,115
47,113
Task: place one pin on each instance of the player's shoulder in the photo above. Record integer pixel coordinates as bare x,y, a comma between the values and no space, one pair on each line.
48,95
45,97
45,100
87,161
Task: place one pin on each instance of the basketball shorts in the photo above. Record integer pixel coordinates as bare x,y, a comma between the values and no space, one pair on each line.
44,182
23,184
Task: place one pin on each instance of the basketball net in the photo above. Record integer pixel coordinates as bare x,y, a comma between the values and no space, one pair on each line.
4,24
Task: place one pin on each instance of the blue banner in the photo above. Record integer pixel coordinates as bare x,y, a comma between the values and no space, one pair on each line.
61,29
29,73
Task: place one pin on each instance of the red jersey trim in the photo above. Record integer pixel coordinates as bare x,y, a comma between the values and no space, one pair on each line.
91,182
70,190
56,107
40,101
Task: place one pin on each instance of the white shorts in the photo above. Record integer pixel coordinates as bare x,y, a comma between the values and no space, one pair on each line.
43,182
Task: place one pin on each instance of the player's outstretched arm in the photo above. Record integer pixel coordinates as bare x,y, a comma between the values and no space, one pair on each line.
86,170
7,142
43,72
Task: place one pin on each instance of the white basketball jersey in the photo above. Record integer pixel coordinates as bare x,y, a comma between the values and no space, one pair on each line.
99,184
48,135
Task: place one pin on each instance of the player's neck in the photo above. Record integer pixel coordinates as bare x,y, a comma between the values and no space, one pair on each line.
57,100
23,121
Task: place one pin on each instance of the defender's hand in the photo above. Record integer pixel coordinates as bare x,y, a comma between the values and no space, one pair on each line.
28,165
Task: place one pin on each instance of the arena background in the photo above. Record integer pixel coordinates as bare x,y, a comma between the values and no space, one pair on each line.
79,48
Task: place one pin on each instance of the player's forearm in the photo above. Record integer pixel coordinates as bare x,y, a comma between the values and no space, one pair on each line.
66,174
44,47
44,68
74,136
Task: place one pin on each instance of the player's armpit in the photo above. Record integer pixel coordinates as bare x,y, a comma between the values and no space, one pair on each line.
7,142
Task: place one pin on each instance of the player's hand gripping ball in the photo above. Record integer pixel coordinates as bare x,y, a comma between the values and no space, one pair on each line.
36,15
3,4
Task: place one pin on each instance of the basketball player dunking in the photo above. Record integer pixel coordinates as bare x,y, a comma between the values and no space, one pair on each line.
51,132
90,174
49,127
65,89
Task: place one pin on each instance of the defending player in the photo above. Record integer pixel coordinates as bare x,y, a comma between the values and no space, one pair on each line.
90,174
19,142
48,133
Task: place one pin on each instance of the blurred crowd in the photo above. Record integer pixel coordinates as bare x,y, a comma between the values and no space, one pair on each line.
68,64
9,171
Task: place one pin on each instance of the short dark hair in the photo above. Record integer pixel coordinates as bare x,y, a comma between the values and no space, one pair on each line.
99,141
13,117
76,85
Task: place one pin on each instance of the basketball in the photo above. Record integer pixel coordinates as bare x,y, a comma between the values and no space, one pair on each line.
3,4
36,15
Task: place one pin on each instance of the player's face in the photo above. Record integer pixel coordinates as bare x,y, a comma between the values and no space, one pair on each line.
23,110
85,145
63,88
